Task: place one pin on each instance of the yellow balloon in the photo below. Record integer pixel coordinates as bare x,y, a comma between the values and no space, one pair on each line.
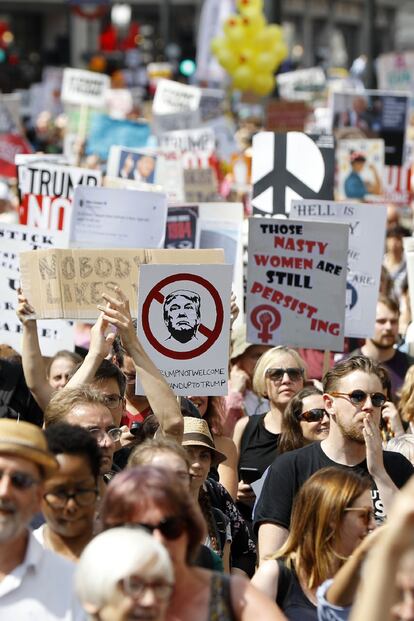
263,83
266,61
268,37
227,58
216,44
249,6
232,22
254,23
281,51
242,77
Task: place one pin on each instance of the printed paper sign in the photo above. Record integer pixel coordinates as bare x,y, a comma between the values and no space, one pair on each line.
296,282
395,71
136,164
360,169
366,248
291,166
181,230
110,218
172,97
374,114
84,88
184,325
69,283
302,84
47,193
195,145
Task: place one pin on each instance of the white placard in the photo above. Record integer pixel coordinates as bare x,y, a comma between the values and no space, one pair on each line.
172,97
296,283
365,254
184,324
84,88
54,334
195,145
302,84
113,218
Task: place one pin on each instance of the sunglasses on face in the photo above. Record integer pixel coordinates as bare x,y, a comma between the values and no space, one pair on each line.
313,416
366,514
170,528
20,480
358,397
276,375
59,498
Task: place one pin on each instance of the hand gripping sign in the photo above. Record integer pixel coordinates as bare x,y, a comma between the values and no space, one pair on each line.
183,323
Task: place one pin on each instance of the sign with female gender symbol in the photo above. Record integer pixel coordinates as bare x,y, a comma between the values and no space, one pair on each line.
184,323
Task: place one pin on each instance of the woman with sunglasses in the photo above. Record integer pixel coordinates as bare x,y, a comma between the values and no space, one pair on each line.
159,502
124,574
332,514
279,374
71,494
305,420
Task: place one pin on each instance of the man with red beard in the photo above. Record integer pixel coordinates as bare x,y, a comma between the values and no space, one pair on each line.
354,393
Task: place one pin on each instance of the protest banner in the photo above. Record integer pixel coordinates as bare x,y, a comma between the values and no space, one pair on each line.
365,254
289,166
184,325
395,71
375,114
296,281
286,116
47,192
200,185
172,97
196,146
113,218
181,229
301,84
54,335
106,131
84,88
69,283
360,169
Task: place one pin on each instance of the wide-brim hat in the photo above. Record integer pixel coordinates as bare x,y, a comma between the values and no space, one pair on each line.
197,433
27,441
239,343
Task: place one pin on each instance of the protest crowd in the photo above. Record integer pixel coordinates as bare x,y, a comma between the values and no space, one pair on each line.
207,345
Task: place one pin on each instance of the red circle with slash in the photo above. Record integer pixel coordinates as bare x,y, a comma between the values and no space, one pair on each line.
155,295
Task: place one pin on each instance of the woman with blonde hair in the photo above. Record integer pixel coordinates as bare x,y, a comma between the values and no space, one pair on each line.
279,374
332,514
406,403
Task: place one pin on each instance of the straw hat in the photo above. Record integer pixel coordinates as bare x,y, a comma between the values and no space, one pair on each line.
27,441
197,433
239,343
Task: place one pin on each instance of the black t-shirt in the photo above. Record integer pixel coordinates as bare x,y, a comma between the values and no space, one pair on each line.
258,446
290,470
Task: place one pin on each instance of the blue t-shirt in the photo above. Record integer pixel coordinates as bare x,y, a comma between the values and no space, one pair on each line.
354,186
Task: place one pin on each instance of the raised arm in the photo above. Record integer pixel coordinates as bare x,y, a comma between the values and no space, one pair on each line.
33,364
160,396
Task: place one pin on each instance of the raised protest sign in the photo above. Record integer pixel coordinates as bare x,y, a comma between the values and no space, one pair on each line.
54,335
69,283
200,185
12,143
195,145
110,218
375,114
136,164
296,281
302,84
289,166
106,131
395,71
84,88
47,193
360,168
366,248
181,229
184,325
172,97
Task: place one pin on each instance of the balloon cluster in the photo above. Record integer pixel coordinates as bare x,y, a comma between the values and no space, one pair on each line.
251,49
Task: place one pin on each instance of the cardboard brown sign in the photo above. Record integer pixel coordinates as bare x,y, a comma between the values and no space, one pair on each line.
69,283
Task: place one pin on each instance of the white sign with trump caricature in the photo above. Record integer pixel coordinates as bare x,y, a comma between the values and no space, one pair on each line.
184,324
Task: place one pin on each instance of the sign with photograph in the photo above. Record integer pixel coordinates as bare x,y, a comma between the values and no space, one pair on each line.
360,166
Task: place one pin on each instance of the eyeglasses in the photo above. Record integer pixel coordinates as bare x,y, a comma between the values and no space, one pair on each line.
59,498
114,434
170,528
20,480
293,373
130,378
358,397
135,588
313,416
112,401
366,514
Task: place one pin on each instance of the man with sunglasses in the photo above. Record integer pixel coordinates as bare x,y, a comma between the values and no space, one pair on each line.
354,393
35,584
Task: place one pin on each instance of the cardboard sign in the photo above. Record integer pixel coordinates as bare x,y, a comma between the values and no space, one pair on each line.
395,71
360,167
47,193
286,116
195,145
85,88
110,218
184,325
69,283
296,281
200,185
302,84
374,114
291,166
365,254
181,229
172,97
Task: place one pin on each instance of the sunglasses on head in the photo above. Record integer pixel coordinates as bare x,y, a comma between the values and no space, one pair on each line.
313,416
293,373
170,528
20,480
358,397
